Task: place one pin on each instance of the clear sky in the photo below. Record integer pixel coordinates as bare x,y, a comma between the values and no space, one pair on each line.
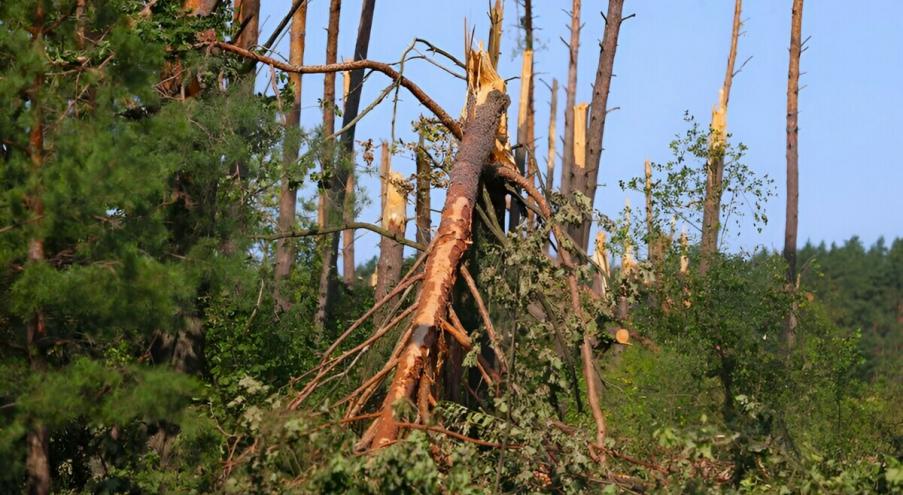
671,58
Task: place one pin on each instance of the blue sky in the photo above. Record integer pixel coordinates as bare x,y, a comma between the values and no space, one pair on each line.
671,58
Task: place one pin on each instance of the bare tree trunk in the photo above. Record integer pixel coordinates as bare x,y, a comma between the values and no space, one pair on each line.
593,386
441,269
522,154
653,239
567,157
37,462
586,183
394,216
348,267
422,205
790,228
525,156
247,17
711,212
345,175
330,210
553,138
288,194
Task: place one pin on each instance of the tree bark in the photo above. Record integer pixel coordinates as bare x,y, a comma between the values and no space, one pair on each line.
654,248
587,181
422,204
394,216
247,17
525,154
345,174
199,7
567,158
441,269
553,138
288,194
37,463
330,210
711,213
593,386
790,227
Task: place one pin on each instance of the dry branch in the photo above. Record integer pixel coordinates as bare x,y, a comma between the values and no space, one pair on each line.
443,116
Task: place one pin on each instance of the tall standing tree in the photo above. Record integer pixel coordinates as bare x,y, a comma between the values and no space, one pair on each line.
101,230
524,155
585,179
793,157
711,210
330,209
570,99
344,177
288,193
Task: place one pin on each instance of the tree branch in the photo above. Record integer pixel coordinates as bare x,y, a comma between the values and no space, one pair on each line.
385,68
350,226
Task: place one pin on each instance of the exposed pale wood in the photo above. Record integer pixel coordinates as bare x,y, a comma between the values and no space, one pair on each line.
452,239
711,212
567,159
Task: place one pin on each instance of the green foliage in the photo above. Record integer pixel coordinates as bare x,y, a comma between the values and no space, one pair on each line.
679,185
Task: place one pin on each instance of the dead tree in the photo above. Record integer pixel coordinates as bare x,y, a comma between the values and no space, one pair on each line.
422,203
586,179
288,193
553,138
654,246
330,209
394,217
344,176
790,227
524,155
567,157
711,209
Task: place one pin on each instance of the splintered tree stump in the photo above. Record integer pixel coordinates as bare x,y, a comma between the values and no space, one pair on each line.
452,241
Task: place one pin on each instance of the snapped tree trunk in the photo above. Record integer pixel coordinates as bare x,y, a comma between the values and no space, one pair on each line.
587,181
288,193
790,227
654,246
567,157
394,216
422,204
452,240
330,209
711,210
525,155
